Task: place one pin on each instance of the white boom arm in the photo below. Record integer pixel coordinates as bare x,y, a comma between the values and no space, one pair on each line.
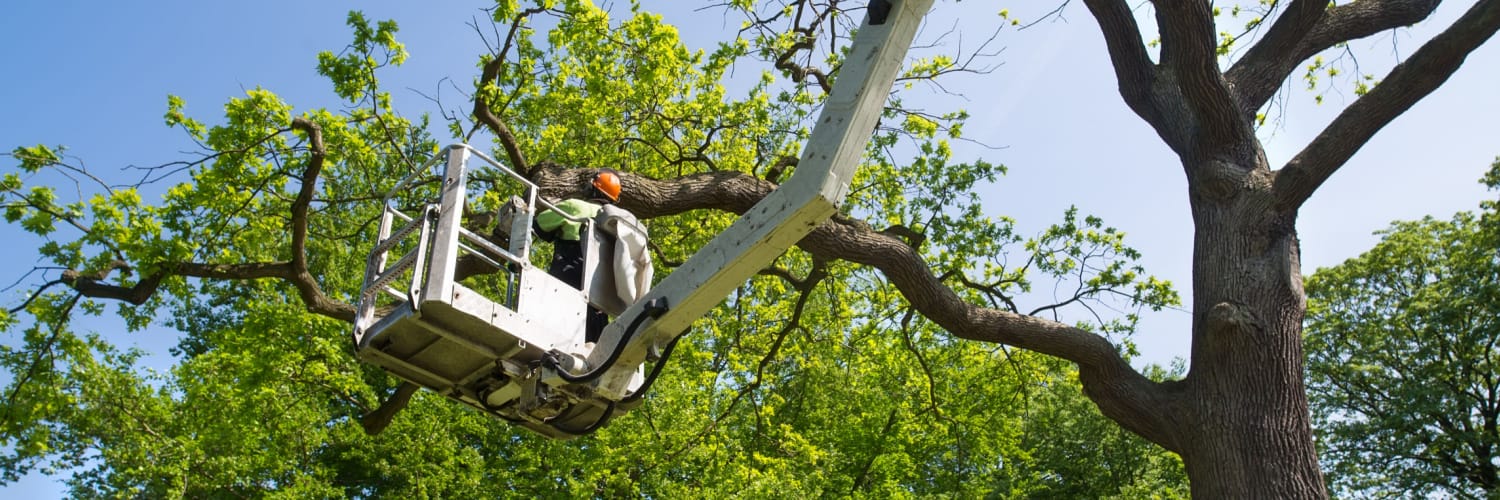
812,195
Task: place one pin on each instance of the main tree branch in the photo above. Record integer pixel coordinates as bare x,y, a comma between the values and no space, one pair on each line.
1119,390
95,286
1407,83
307,286
490,120
1257,75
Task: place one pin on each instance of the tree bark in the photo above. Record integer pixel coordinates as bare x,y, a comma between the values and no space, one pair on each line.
1252,435
1246,431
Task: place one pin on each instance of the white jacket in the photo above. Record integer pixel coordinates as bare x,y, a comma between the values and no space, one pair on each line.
632,259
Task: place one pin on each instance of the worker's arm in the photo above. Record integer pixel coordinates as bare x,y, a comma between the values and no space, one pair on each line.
548,232
552,225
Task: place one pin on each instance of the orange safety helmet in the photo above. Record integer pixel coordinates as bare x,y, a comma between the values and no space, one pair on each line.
608,184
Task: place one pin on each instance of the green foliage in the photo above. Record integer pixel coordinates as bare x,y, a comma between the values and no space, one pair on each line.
35,157
1401,359
175,117
353,73
1073,452
814,380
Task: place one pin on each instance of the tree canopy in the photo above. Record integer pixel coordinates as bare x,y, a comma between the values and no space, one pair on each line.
816,378
1402,360
243,249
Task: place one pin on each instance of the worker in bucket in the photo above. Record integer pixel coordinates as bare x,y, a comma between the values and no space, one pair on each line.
631,262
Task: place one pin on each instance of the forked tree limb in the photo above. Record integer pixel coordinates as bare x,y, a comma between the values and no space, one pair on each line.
1304,30
1189,49
293,271
483,111
1407,83
1275,53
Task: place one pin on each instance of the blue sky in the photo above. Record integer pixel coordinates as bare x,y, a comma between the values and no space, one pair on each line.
94,76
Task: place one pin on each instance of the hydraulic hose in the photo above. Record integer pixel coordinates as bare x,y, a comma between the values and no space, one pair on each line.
651,378
654,309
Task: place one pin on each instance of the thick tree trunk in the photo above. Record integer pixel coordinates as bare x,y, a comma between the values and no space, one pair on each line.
1240,418
1253,437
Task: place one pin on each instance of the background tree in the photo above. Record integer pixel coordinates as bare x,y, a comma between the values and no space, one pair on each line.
1402,359
815,378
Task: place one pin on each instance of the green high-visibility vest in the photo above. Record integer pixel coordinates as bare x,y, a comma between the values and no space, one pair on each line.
550,221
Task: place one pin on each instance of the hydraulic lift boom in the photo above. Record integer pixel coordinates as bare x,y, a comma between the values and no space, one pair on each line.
522,358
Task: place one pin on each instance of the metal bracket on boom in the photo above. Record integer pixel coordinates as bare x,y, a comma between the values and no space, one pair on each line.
879,10
522,358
